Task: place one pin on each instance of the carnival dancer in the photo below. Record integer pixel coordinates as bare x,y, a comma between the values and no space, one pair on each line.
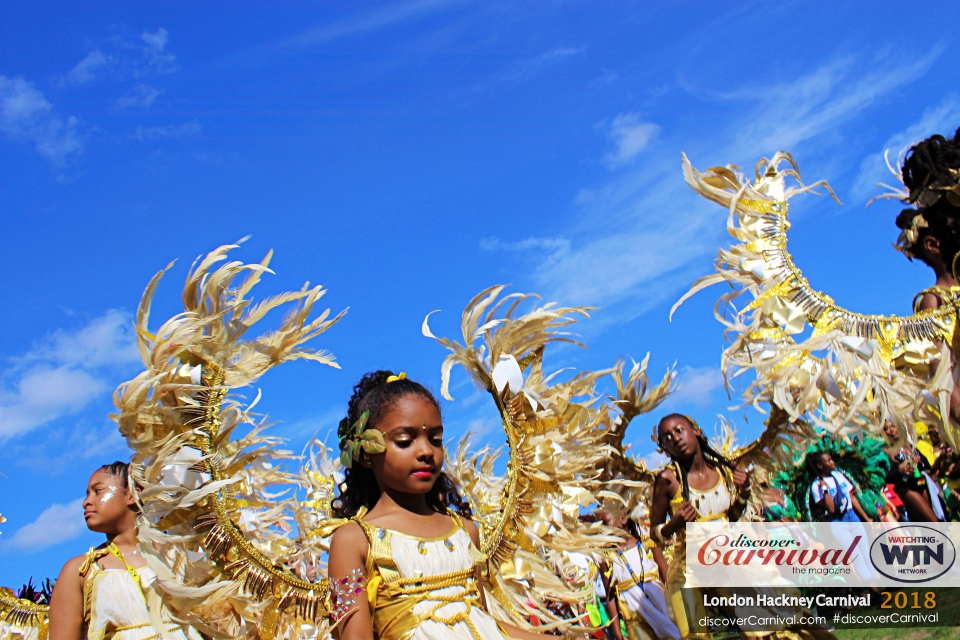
833,491
835,501
917,490
104,593
407,565
699,485
635,584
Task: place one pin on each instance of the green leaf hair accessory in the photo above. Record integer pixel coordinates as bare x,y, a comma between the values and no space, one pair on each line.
357,437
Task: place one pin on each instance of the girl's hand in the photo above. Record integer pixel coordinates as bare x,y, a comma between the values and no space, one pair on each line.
685,513
742,480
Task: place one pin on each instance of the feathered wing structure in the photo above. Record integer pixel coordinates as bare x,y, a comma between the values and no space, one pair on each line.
822,365
221,520
636,395
556,438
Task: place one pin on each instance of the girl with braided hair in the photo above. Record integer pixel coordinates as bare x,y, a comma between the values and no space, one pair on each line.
108,592
699,485
407,564
931,230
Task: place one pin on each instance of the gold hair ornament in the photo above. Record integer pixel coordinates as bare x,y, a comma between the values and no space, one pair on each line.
907,241
400,376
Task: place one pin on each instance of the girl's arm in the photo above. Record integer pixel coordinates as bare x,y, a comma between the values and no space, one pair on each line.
613,604
348,558
664,487
661,561
826,498
66,602
858,508
741,480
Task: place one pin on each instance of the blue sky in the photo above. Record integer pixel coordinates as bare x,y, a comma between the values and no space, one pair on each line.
407,155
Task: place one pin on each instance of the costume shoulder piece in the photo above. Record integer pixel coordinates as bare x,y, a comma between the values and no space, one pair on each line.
221,524
815,360
21,618
529,516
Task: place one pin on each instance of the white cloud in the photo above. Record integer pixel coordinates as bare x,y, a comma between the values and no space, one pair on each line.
167,132
155,50
548,244
103,341
323,426
373,21
639,234
63,374
630,135
88,68
142,96
696,389
873,169
792,112
58,523
27,116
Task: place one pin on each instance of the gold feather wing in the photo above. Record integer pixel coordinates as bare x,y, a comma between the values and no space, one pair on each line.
821,364
221,523
556,440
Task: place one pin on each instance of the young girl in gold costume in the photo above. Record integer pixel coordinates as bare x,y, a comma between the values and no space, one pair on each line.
407,565
103,593
699,485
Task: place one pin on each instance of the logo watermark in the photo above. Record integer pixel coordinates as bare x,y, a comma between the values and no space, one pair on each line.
835,554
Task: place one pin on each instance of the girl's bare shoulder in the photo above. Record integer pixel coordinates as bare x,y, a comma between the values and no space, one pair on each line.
347,537
667,476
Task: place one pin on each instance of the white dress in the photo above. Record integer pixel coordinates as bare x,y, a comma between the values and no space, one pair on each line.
639,590
426,587
113,606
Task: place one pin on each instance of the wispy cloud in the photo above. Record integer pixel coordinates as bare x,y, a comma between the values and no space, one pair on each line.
789,113
143,95
155,51
124,57
64,373
366,23
697,386
88,68
630,135
942,119
547,244
58,523
27,116
526,68
623,246
529,67
167,132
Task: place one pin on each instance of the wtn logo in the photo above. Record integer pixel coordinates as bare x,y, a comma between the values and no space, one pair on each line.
912,553
922,553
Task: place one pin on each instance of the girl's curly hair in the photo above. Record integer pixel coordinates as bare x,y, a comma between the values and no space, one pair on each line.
359,489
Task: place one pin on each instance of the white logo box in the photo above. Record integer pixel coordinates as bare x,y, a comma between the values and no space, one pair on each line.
822,554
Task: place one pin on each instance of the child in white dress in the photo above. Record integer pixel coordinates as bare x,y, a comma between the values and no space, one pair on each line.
407,566
103,594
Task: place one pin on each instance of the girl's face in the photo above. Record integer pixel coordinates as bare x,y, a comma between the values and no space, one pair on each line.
678,438
413,434
826,464
890,430
107,503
